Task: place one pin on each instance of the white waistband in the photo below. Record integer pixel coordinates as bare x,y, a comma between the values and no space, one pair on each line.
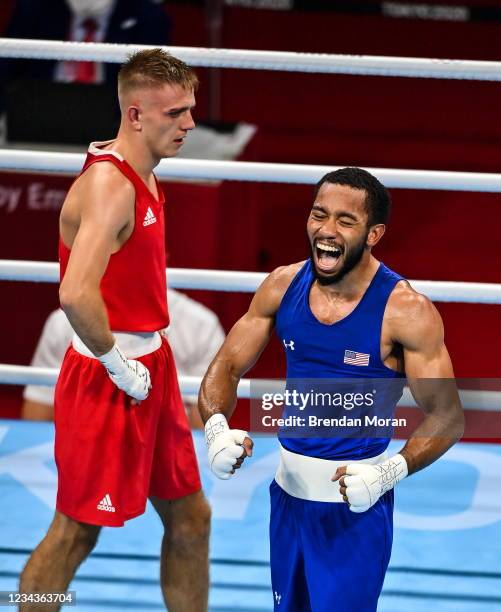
132,344
310,478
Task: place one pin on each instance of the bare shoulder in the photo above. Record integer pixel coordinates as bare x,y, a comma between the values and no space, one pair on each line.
102,181
405,302
282,277
270,293
411,315
102,200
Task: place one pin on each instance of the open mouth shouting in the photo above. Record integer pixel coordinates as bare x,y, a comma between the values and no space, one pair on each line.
327,256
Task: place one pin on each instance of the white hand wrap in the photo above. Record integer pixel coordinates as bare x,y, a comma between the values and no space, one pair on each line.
366,483
128,375
224,445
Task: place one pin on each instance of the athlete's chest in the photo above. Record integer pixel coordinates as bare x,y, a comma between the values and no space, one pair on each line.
322,337
330,309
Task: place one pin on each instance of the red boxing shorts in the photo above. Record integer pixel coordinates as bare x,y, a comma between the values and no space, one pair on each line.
112,455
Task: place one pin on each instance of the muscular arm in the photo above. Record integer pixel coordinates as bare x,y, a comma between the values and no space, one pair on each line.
419,330
103,202
416,326
242,347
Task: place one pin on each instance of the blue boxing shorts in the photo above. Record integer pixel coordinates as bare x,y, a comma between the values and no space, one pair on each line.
325,558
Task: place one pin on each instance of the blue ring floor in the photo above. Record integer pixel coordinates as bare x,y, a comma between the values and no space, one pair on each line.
446,552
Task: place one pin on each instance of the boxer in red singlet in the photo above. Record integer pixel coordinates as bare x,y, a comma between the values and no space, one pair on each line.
122,435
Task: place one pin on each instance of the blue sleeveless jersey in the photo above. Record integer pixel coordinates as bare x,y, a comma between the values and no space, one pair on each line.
348,349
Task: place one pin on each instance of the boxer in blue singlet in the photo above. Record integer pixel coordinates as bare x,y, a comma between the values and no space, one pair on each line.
344,318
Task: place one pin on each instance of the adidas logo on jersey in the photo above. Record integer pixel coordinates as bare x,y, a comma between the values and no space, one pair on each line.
149,218
105,504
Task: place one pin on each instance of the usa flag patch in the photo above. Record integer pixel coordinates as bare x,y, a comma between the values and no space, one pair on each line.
354,358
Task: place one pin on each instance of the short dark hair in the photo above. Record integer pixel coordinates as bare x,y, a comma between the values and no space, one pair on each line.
377,200
154,68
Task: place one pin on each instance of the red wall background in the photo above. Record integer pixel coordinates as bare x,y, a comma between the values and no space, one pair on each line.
324,119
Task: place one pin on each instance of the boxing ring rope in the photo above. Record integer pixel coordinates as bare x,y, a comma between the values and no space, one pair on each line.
222,280
262,60
446,291
248,282
247,389
71,163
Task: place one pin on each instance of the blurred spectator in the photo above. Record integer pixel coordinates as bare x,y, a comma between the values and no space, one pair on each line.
113,21
195,336
50,101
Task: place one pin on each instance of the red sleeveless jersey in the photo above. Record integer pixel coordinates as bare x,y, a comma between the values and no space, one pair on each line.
134,285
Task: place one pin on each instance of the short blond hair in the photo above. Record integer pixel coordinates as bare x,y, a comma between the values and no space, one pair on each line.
154,68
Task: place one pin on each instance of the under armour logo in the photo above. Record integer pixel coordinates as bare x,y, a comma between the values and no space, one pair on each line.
289,345
278,597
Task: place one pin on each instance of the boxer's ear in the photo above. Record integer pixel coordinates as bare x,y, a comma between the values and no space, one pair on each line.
134,116
375,234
